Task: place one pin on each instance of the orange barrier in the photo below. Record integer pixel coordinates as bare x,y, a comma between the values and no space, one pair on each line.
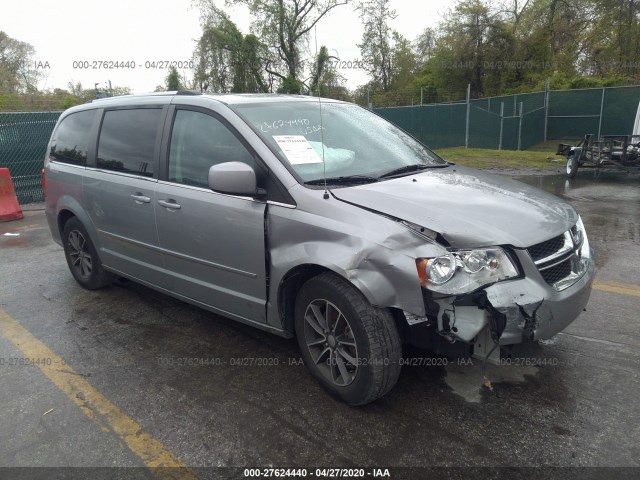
9,208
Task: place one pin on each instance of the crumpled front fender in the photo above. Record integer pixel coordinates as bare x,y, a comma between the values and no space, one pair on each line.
376,254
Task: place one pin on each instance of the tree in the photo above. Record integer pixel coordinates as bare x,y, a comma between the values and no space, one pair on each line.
424,45
172,81
118,91
503,68
227,60
283,25
403,60
18,73
325,80
475,46
376,48
553,33
505,46
612,45
513,10
319,70
75,88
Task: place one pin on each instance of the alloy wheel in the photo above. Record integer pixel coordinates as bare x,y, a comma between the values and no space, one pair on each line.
79,254
331,342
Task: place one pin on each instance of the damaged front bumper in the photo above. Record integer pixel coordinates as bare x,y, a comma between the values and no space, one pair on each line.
508,312
535,311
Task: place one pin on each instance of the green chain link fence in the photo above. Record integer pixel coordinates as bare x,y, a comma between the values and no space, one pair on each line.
517,122
508,122
438,125
23,144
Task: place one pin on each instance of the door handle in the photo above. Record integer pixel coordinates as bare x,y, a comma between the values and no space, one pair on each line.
140,198
170,204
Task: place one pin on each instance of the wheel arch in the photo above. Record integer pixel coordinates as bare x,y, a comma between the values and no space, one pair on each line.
69,207
292,282
63,217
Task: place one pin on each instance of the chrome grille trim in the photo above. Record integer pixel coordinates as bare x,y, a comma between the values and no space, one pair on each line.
559,262
567,247
556,261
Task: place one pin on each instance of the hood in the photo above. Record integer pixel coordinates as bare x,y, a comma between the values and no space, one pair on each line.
468,207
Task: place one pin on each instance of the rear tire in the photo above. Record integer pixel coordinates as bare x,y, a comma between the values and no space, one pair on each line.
351,347
82,257
572,166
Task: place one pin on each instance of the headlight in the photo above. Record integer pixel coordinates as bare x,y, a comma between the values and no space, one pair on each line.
464,271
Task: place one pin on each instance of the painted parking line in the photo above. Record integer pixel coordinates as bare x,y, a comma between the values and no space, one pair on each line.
615,287
95,405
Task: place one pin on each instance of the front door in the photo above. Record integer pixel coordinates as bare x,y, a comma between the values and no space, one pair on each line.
213,244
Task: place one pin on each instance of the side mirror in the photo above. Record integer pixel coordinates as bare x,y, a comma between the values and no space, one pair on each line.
233,178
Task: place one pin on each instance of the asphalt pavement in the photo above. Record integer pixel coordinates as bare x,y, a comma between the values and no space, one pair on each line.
130,377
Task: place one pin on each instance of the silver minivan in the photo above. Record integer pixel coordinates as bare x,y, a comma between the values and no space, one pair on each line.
316,219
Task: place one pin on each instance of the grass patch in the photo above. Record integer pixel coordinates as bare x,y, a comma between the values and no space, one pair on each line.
551,145
541,158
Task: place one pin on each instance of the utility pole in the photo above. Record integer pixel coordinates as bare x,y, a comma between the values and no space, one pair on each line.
546,108
601,111
466,130
520,129
501,124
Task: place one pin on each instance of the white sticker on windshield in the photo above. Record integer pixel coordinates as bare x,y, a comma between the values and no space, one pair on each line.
297,149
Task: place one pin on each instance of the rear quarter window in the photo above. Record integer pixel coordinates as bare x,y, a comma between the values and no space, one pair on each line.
71,139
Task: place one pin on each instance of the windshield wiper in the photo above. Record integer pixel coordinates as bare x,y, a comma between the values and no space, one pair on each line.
343,179
410,168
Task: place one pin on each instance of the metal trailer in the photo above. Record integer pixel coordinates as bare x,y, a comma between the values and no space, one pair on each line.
608,150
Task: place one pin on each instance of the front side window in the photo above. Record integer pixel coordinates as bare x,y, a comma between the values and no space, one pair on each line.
347,141
199,141
71,140
127,140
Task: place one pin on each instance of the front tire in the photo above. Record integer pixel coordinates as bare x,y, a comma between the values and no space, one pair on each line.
82,257
351,347
572,166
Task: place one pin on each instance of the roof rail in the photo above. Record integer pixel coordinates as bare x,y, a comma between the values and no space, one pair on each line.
149,94
133,95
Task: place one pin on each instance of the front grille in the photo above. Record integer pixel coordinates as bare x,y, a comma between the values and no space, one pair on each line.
547,248
556,273
559,259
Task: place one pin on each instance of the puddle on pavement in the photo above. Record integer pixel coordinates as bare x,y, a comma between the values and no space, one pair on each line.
608,183
30,231
600,194
466,380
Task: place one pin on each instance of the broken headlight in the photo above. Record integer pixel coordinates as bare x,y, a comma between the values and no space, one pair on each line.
464,271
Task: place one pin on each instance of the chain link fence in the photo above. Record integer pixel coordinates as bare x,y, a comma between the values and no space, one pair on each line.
438,125
508,122
23,144
518,122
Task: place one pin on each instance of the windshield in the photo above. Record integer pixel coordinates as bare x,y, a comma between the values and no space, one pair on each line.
350,140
